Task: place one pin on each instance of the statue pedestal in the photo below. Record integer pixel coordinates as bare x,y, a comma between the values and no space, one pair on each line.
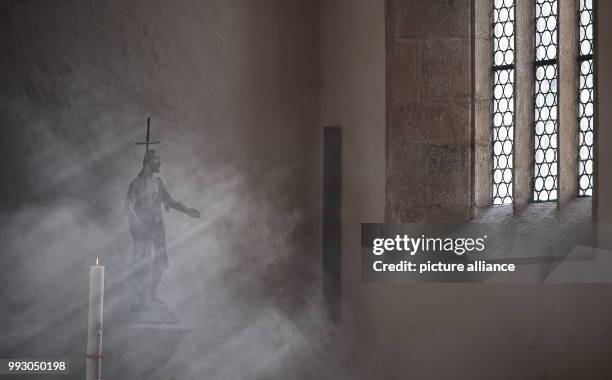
144,345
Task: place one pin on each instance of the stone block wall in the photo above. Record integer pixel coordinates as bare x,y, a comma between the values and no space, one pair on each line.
429,111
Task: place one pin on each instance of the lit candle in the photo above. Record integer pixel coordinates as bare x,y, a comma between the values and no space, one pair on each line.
94,324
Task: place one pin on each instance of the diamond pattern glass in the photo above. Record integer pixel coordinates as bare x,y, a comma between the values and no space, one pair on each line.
546,102
503,100
585,98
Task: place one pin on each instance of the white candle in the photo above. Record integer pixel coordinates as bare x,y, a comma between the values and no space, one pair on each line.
94,324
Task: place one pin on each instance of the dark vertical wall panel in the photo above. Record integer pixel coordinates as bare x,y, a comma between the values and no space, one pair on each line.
332,140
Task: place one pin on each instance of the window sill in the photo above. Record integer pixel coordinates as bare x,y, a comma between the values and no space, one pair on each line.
577,211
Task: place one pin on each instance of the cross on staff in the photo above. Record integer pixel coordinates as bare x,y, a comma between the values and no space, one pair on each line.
147,142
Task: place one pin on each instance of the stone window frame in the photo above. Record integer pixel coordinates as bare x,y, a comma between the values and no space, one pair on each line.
523,160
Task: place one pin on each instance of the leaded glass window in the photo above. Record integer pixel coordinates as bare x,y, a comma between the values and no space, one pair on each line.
503,99
585,98
546,101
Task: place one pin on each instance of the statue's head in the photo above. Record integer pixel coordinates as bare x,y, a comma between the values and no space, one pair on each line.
151,162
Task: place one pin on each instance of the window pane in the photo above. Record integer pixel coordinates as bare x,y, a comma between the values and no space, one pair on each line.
585,98
546,102
503,100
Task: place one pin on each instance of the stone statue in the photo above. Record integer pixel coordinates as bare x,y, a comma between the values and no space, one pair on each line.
146,197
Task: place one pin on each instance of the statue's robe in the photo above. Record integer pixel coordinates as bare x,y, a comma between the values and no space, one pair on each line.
149,260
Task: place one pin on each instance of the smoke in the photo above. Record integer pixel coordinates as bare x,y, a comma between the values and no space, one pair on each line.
230,282
240,278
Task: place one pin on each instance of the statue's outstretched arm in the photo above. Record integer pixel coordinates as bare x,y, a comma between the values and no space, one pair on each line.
170,202
192,212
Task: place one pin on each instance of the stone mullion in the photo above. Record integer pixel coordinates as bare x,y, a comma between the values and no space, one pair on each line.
568,125
524,108
482,103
